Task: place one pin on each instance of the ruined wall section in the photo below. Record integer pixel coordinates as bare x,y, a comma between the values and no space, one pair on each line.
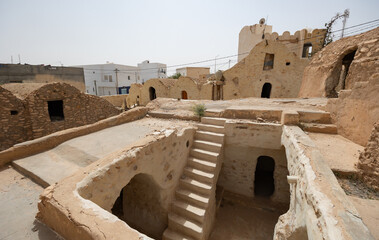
78,108
321,76
368,164
14,120
246,78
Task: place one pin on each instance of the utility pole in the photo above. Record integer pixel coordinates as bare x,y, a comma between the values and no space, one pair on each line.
94,81
229,63
215,62
12,59
19,59
116,70
345,17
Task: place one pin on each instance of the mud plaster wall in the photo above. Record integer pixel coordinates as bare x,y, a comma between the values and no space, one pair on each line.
247,77
78,108
319,208
14,128
163,160
368,164
116,100
245,141
323,72
355,111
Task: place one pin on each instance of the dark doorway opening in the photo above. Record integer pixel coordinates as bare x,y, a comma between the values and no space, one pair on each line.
55,109
346,62
140,206
184,95
152,93
266,90
264,177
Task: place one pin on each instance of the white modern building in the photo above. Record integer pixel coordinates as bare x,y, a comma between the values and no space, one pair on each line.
148,70
109,78
112,79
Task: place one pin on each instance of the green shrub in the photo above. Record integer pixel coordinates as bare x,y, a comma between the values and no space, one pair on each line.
199,110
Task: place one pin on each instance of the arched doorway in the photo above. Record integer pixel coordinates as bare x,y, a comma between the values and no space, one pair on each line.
264,177
139,205
266,90
152,93
184,95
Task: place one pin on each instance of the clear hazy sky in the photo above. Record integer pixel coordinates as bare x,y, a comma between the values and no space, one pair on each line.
75,32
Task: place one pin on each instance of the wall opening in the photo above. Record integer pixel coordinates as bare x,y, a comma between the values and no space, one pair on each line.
14,112
266,90
152,93
307,50
184,95
269,62
139,205
264,177
55,109
346,62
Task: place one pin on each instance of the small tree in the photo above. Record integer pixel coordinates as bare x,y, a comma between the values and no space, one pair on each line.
329,35
199,110
176,76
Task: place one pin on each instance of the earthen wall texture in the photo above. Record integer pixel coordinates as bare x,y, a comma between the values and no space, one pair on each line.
321,76
116,100
356,110
33,119
14,120
11,73
368,164
247,77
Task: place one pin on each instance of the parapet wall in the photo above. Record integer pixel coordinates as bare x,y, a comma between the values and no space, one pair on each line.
80,206
319,208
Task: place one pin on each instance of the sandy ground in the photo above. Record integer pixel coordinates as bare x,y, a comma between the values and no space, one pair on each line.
369,211
18,207
184,107
340,153
65,159
242,219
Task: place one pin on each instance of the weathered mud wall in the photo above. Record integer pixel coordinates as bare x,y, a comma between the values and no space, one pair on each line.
319,208
368,164
116,100
245,141
321,76
355,111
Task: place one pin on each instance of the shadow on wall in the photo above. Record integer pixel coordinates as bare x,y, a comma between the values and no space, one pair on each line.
139,205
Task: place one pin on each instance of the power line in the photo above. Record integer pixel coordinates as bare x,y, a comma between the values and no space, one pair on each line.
376,21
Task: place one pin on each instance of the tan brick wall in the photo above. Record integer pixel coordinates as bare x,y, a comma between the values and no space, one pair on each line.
33,120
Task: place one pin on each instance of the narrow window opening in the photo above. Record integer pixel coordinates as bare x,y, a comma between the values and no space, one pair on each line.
307,50
152,93
266,90
264,177
288,63
184,95
55,110
269,62
14,112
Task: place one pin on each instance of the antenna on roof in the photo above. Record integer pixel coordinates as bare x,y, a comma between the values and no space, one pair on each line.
265,23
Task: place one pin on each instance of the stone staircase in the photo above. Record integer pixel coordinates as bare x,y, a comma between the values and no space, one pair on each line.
193,211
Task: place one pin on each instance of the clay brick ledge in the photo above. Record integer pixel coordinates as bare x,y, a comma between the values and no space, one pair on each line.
38,145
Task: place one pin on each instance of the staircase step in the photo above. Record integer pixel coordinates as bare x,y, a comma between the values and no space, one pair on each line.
209,136
211,128
188,227
199,175
315,117
192,197
209,146
169,234
319,128
190,211
196,186
202,165
203,154
213,121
